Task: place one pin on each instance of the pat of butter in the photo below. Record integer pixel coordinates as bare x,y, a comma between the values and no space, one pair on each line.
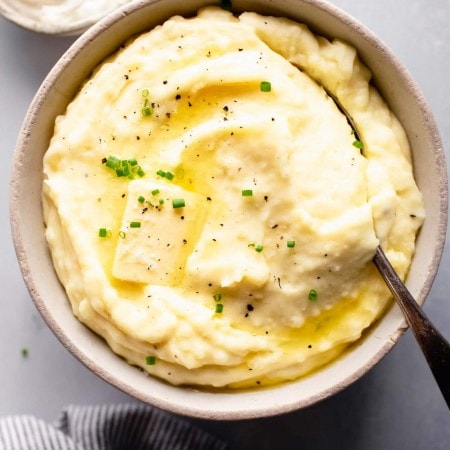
157,234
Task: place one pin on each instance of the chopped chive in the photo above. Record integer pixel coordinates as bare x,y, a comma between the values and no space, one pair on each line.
122,234
112,162
141,172
102,232
150,360
219,308
135,224
155,192
251,245
24,352
265,86
141,199
259,248
290,244
145,93
313,296
147,111
161,201
132,161
178,203
217,297
247,192
358,144
164,174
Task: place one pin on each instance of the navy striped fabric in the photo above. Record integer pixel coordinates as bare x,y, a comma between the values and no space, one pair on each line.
108,427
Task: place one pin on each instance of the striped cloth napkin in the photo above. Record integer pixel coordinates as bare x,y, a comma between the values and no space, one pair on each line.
106,427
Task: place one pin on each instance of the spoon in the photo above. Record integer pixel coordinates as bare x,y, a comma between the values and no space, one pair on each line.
435,347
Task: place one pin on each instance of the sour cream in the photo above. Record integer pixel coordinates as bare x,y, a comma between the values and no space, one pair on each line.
61,15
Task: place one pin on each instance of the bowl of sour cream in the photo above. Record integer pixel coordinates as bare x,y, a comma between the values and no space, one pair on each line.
57,17
195,217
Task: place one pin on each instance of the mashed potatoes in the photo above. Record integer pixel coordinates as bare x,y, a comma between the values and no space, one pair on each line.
209,209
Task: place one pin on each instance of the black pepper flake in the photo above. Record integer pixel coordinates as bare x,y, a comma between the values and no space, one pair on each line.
177,97
225,108
309,346
104,160
209,199
126,77
274,226
165,82
250,307
123,195
266,197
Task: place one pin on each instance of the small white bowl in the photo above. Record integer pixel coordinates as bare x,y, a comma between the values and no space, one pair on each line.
57,17
28,230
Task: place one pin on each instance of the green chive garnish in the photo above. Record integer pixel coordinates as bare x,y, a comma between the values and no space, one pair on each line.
313,296
122,234
150,360
265,86
135,224
358,144
145,93
155,192
164,174
102,232
219,308
141,199
290,244
178,203
24,352
259,248
122,166
112,162
217,297
247,192
161,201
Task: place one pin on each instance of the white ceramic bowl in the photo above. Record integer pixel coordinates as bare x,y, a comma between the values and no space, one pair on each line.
28,230
57,17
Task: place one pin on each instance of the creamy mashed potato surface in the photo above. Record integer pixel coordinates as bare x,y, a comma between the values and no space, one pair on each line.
209,210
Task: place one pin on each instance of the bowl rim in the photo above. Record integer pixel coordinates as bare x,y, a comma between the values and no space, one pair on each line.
242,411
